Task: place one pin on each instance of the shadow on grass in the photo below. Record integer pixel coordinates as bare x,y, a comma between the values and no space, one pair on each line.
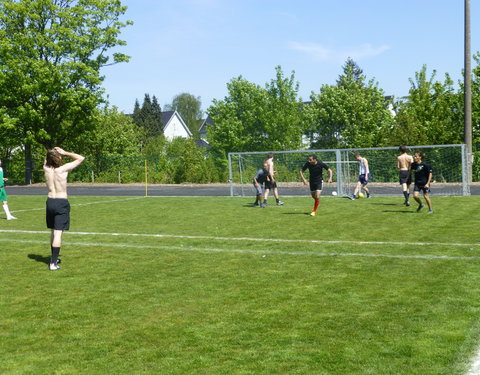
385,204
39,258
400,211
296,213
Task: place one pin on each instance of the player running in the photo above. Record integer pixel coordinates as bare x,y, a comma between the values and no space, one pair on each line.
3,194
315,167
364,176
58,207
271,184
404,162
423,177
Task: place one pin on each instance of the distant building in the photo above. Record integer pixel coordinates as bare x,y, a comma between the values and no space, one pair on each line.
174,126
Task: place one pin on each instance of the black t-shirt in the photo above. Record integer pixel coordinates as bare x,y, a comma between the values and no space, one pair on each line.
315,171
422,171
261,176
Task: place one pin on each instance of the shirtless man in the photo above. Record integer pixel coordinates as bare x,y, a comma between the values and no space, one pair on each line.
271,184
58,207
404,162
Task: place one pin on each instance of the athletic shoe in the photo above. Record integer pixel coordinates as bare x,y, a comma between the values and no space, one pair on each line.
368,196
11,218
255,204
53,267
407,203
430,211
352,197
280,203
313,213
263,205
420,206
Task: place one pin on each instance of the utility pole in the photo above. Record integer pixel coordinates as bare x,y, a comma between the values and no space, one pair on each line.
468,93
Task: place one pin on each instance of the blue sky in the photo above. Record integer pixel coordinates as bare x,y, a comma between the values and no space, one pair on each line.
198,46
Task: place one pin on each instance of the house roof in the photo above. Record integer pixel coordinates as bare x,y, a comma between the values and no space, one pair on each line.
167,117
205,123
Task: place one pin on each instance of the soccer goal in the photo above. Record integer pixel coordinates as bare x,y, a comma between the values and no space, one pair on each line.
448,163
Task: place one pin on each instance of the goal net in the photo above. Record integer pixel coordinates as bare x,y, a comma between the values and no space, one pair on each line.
447,161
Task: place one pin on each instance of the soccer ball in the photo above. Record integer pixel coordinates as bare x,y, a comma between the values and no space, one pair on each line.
334,193
361,195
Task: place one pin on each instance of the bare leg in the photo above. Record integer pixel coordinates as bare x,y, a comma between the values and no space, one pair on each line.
429,201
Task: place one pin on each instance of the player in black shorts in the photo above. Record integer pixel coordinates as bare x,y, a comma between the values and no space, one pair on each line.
315,167
423,177
259,179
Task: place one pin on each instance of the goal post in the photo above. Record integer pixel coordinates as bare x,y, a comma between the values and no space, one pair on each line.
447,161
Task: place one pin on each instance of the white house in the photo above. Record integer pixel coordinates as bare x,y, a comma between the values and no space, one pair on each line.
174,126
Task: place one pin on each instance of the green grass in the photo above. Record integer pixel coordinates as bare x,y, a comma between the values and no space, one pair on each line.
366,287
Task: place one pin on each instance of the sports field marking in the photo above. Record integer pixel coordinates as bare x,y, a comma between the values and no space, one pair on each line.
475,366
281,240
82,204
249,251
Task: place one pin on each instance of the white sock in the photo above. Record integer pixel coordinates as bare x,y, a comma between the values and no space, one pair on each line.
7,211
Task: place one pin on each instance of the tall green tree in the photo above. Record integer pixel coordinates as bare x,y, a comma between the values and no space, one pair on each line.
51,54
254,118
432,113
352,113
149,116
190,109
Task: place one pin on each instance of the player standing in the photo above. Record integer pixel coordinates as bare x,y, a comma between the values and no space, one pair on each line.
3,194
271,184
58,207
404,162
364,176
258,180
315,167
423,177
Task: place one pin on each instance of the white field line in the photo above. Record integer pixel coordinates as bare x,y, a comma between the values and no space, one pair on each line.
249,251
81,204
253,239
475,366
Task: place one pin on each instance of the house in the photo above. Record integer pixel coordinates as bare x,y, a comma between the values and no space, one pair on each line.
203,128
174,126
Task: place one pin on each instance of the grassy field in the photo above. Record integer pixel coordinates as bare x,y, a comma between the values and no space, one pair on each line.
215,286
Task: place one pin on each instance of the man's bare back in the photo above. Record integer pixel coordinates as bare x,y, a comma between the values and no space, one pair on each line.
56,177
404,162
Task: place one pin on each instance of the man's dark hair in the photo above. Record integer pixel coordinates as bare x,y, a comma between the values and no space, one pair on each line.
313,156
420,154
402,149
53,159
270,155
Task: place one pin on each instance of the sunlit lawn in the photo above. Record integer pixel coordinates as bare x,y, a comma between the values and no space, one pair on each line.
366,287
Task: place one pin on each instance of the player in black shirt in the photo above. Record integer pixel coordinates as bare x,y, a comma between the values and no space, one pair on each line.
259,179
315,167
423,177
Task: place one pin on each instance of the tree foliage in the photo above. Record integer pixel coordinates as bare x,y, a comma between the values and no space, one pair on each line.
149,116
51,53
352,113
253,118
432,112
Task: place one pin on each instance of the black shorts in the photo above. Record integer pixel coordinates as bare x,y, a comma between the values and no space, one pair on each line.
270,185
421,188
58,213
405,177
315,186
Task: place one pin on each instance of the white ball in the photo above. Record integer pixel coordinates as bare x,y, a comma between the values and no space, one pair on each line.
334,193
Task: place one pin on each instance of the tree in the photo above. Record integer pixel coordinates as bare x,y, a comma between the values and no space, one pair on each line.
353,113
51,53
253,118
189,108
432,112
149,116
